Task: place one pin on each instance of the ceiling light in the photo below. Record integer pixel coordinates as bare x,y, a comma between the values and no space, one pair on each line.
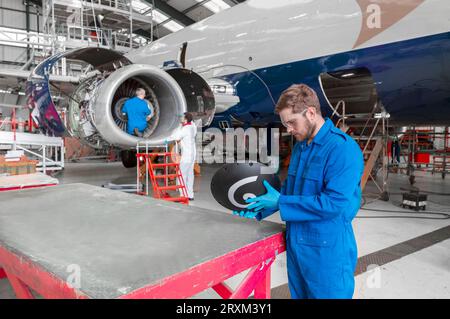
215,5
140,6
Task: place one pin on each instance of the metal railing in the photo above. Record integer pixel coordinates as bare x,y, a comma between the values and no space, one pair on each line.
86,36
72,28
101,37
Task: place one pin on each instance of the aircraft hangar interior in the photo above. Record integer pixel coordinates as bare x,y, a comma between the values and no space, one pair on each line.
225,149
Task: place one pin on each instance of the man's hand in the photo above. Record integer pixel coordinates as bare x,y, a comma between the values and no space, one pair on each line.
245,214
267,201
149,117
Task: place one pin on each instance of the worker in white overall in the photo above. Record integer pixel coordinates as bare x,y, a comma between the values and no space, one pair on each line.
186,139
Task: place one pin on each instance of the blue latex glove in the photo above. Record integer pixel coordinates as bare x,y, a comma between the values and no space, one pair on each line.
245,214
268,201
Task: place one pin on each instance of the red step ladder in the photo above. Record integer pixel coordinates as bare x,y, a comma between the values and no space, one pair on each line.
162,191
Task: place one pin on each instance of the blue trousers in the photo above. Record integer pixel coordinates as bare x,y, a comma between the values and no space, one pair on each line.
322,272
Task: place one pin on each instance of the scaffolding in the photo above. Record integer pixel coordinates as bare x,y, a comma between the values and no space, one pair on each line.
425,149
69,24
104,23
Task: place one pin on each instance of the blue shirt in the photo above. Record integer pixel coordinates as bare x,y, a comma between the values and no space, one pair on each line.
137,111
322,191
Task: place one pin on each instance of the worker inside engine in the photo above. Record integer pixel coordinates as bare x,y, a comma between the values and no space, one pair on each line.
139,112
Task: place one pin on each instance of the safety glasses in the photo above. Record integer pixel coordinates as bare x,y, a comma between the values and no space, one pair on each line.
291,122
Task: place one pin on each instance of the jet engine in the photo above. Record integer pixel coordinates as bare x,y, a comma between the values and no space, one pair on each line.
94,111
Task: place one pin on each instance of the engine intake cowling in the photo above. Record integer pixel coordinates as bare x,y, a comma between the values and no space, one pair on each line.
163,92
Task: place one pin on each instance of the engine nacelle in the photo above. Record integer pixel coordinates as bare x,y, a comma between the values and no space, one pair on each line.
94,111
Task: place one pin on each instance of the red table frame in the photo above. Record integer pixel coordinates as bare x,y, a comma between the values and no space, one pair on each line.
23,274
16,188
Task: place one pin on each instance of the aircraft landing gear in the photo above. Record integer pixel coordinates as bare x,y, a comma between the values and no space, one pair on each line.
128,158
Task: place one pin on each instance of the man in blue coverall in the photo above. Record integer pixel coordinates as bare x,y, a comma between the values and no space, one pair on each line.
318,200
138,111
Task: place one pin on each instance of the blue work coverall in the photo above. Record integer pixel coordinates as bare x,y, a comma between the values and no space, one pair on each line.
137,111
318,201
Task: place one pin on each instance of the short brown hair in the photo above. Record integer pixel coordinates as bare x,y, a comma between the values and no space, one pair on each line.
298,97
188,116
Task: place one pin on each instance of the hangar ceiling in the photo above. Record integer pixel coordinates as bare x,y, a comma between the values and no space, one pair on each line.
172,15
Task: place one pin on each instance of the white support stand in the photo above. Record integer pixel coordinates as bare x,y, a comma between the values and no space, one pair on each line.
40,146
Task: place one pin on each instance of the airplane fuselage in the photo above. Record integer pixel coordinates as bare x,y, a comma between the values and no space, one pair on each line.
261,47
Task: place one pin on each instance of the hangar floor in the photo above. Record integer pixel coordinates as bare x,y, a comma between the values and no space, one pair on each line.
399,257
